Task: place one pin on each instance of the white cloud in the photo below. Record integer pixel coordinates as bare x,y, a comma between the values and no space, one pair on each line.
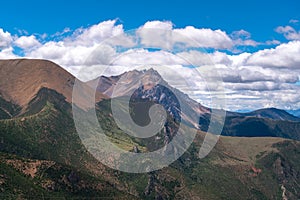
239,59
284,55
144,57
240,42
293,21
63,54
163,35
66,30
289,32
7,53
268,75
272,42
96,34
240,34
165,25
5,39
79,48
242,38
156,34
194,37
27,42
198,58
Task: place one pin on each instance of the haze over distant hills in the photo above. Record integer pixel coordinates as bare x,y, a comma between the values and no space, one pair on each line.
270,113
42,156
294,112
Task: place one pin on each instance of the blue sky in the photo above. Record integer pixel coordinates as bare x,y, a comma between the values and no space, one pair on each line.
255,45
260,18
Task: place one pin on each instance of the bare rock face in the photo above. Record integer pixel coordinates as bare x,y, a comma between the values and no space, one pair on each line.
149,86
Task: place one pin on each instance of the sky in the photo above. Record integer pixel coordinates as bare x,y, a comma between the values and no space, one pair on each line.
255,45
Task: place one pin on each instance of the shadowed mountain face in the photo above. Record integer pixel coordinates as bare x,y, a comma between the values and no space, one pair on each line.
261,127
269,122
8,109
41,154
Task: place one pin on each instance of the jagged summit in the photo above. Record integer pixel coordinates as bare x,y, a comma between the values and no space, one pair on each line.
128,82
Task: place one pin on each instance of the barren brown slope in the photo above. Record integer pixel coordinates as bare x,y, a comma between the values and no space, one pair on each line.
21,79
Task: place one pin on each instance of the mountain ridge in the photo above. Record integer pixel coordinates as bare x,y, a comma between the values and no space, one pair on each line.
106,85
270,122
271,113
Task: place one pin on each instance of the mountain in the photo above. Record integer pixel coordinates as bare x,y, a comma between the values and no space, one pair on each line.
136,83
270,122
294,112
38,133
22,79
260,127
42,156
270,113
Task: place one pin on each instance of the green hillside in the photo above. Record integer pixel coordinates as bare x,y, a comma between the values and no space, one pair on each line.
42,157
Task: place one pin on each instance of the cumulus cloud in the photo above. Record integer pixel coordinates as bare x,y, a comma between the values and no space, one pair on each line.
6,49
203,37
284,55
62,54
5,39
79,48
7,53
268,75
242,38
246,77
163,35
27,42
97,33
198,58
156,34
289,32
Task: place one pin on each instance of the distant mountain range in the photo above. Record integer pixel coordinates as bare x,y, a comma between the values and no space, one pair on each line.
269,122
42,157
294,112
270,113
